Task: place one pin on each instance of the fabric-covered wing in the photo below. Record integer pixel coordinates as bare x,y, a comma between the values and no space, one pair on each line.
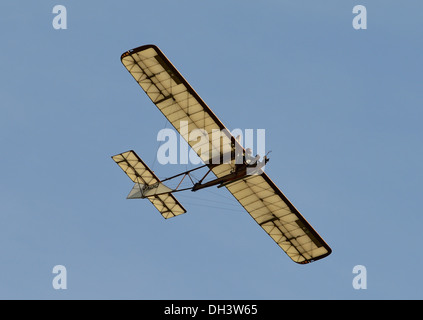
178,101
279,218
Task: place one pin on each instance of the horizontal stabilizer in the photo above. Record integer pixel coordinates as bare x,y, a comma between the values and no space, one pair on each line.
167,205
148,185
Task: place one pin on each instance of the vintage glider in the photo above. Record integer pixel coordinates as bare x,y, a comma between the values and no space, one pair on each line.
260,197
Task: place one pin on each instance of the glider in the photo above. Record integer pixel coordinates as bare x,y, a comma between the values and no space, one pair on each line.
257,193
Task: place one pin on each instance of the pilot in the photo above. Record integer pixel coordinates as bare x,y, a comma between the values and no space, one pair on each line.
249,157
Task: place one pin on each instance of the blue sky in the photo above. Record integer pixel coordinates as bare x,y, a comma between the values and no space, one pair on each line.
342,110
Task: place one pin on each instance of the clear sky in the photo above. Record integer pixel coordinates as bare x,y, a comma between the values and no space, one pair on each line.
342,110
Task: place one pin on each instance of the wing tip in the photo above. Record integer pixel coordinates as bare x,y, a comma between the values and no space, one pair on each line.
138,49
308,261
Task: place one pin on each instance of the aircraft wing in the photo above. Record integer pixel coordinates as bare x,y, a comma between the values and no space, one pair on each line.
262,199
178,101
279,218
